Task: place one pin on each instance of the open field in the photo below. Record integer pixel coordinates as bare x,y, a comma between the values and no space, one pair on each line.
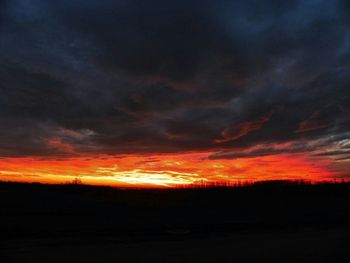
263,222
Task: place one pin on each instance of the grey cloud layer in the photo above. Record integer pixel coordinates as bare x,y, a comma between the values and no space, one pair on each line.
171,76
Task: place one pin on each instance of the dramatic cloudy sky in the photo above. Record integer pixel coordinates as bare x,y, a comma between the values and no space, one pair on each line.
235,85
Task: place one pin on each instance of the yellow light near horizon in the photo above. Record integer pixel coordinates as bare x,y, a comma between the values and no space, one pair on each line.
164,170
137,177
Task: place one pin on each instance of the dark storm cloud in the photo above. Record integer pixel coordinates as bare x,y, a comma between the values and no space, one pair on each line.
134,76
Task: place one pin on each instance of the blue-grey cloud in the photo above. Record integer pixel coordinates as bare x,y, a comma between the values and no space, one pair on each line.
172,76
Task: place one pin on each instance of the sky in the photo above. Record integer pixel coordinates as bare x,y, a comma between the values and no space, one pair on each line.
164,93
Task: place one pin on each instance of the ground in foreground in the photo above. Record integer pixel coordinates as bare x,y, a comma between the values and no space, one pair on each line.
264,222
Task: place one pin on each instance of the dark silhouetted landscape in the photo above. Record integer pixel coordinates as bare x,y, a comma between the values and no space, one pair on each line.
275,221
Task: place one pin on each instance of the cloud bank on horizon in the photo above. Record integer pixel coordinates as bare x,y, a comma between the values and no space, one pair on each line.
237,79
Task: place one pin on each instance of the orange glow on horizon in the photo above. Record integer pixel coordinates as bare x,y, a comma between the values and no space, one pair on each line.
164,170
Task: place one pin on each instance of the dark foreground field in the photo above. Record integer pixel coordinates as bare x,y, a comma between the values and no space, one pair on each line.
265,222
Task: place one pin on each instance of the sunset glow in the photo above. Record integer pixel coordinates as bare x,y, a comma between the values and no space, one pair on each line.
165,170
